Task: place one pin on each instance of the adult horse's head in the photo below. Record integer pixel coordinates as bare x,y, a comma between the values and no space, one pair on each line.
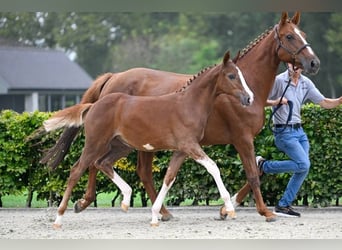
292,46
232,81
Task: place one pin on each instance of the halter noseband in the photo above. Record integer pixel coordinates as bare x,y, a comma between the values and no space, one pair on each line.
281,45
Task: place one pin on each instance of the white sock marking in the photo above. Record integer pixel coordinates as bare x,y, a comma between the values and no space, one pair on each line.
58,220
212,168
126,190
159,201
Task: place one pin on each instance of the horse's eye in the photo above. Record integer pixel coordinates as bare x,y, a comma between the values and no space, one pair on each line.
289,37
231,76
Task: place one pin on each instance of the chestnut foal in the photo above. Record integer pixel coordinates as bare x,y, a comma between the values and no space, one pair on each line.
118,123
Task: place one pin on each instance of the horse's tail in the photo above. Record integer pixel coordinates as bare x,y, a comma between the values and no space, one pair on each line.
69,117
56,154
93,92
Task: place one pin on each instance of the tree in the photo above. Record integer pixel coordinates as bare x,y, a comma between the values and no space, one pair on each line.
181,42
333,37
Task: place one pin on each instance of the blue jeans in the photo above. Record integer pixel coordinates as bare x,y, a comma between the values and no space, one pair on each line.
295,144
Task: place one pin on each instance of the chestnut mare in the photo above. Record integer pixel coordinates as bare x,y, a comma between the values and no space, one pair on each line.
119,123
229,123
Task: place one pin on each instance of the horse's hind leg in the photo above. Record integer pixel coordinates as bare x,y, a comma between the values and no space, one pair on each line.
176,161
144,170
90,194
105,165
241,194
75,174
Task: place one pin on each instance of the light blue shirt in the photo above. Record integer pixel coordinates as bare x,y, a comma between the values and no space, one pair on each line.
304,91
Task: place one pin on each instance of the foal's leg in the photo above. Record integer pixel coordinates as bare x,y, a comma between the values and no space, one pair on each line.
176,161
105,165
90,194
75,174
212,168
144,170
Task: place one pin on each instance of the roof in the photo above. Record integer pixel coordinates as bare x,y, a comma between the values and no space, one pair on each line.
24,68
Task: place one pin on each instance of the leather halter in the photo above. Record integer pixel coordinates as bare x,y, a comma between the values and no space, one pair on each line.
293,53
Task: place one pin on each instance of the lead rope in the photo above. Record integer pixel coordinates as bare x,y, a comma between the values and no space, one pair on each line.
290,103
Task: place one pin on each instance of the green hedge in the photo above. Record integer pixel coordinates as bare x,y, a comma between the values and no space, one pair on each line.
21,172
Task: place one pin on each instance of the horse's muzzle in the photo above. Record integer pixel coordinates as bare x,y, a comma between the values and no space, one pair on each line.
312,67
246,100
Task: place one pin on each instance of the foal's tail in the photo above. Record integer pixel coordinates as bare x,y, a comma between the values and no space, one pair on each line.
57,153
68,117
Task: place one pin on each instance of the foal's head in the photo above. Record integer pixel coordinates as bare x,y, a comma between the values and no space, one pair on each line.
292,46
231,81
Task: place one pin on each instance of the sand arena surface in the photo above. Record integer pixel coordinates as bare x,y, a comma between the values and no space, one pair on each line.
188,223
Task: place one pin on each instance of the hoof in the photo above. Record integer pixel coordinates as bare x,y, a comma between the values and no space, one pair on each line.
166,217
224,213
124,207
271,218
232,214
56,226
77,207
154,224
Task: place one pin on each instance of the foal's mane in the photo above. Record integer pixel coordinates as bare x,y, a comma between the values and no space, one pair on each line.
256,41
188,82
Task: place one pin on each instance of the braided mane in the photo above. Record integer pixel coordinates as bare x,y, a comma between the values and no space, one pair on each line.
253,43
194,77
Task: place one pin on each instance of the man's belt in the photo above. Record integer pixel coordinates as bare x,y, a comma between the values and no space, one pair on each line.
295,126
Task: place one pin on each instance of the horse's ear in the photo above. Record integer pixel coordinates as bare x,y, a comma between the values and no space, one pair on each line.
226,57
236,57
284,17
296,18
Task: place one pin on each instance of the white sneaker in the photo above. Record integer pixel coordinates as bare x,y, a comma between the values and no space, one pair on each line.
259,161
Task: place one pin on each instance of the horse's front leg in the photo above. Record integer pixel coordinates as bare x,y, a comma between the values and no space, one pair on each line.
90,194
75,174
212,168
176,161
245,148
144,170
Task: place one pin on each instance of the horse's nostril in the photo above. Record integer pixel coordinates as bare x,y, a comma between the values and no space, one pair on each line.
315,63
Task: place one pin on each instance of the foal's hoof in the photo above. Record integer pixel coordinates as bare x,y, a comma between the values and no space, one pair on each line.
124,207
154,224
224,213
232,214
56,226
166,217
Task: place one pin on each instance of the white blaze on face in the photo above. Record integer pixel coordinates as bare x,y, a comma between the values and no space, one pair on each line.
148,146
304,41
245,86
